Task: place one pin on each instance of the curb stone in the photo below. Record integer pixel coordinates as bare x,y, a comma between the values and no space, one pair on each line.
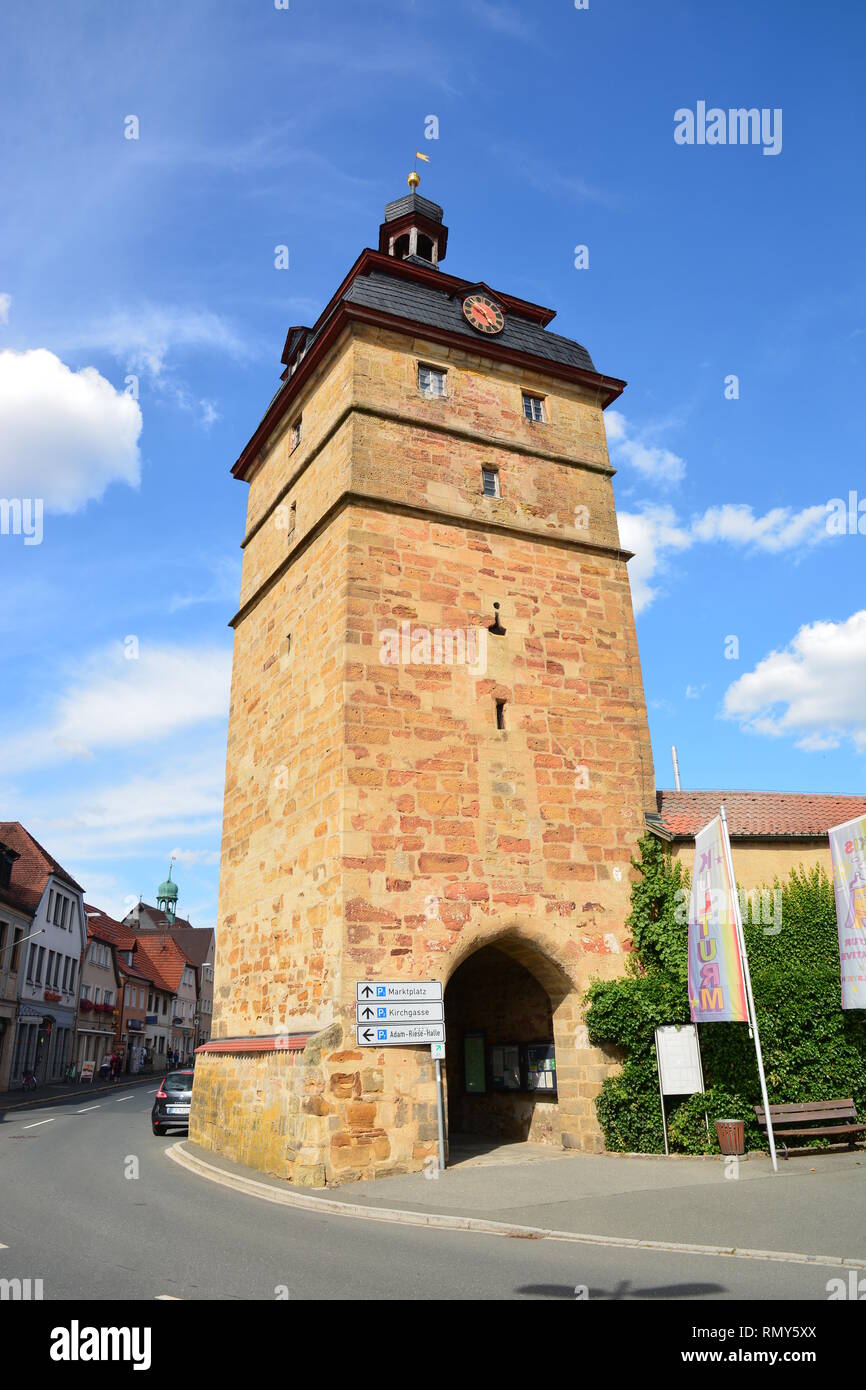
178,1153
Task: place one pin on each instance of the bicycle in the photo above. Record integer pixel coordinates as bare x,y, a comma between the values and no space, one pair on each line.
29,1082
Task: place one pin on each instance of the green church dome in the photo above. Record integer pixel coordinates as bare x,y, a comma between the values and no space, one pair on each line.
167,889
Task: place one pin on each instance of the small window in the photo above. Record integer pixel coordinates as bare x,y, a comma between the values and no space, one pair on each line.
293,516
424,247
296,434
401,247
500,714
431,380
490,482
533,407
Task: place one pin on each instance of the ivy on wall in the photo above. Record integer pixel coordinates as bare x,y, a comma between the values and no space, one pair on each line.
813,1050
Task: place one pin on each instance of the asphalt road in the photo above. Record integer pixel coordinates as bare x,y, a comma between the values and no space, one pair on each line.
90,1204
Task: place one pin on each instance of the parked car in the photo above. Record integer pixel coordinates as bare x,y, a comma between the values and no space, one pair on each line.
172,1101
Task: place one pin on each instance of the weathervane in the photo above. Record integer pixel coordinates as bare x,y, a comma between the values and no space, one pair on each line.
415,178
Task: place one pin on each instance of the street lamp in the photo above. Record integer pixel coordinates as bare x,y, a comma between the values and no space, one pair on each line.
40,932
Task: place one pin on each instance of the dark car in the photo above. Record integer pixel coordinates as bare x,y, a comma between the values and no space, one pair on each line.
172,1102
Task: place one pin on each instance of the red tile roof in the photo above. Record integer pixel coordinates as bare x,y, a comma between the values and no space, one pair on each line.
105,928
164,955
149,970
31,871
758,815
195,942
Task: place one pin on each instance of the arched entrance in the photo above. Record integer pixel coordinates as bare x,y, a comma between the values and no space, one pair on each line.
501,1062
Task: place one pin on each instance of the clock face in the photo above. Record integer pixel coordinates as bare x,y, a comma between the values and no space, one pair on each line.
483,314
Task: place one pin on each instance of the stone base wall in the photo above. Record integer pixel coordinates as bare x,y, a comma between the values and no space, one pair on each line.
333,1113
317,1117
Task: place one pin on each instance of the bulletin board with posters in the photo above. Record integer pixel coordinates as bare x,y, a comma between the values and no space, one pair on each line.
505,1068
541,1067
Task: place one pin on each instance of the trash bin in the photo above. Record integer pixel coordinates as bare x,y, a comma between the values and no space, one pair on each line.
732,1136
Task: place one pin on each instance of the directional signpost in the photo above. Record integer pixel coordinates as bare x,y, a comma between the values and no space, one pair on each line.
397,991
399,1013
404,1013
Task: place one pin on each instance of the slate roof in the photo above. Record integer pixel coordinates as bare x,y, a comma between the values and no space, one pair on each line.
160,920
758,815
31,871
413,202
442,309
195,942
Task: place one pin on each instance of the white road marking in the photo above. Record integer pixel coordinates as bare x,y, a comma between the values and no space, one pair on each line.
168,1298
86,1108
40,1122
120,1099
2,1246
153,1093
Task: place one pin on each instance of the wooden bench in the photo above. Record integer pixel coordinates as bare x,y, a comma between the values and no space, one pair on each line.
812,1120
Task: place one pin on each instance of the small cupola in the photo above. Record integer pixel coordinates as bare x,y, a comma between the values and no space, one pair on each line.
166,897
413,229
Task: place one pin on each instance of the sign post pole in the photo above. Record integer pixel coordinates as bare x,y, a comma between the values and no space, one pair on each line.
662,1095
440,1119
753,1018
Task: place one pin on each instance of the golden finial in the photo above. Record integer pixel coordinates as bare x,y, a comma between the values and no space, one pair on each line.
415,178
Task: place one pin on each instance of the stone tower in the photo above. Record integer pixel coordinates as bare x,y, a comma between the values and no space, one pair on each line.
438,755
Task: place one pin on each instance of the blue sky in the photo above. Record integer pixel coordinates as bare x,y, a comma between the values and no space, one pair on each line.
154,258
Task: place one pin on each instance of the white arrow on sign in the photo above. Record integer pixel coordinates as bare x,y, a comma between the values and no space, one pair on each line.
399,1034
397,991
425,1012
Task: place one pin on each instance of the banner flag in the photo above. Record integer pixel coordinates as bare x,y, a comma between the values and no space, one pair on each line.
848,853
717,989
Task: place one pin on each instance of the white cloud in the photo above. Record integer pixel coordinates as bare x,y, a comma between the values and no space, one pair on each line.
64,435
694,692
637,449
145,336
779,529
98,833
503,19
118,703
195,856
814,690
656,534
653,535
5,306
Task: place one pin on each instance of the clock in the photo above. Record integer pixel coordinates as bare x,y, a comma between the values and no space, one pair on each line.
483,314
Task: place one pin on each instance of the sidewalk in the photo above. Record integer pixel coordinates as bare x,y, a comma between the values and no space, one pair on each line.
813,1208
60,1090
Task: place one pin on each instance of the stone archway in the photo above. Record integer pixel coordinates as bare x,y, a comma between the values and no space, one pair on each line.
514,1068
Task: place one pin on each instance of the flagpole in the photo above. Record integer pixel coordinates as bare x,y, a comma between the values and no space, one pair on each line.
753,1017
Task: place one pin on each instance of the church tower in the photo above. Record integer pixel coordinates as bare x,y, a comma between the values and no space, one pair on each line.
438,757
